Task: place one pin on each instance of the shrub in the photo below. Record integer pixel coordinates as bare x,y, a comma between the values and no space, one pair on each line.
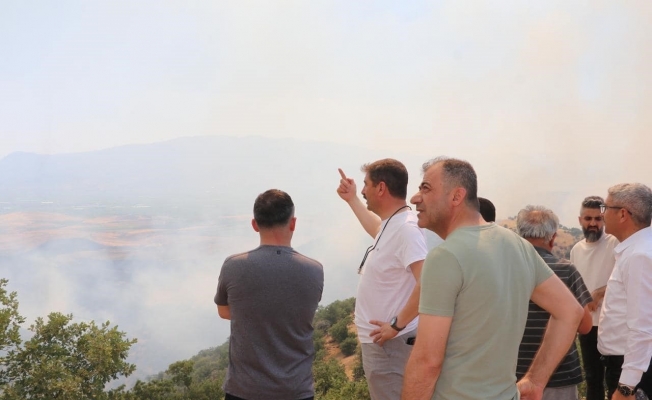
349,345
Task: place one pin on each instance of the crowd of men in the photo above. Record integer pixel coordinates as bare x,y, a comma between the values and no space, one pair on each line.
485,313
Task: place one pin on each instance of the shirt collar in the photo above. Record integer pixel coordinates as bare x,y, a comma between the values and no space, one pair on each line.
542,252
639,236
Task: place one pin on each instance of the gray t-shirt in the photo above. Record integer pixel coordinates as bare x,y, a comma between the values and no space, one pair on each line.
272,293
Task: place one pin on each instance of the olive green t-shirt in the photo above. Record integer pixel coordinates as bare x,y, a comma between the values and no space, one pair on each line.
483,277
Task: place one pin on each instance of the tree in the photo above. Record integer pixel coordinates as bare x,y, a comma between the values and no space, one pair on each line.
66,360
181,373
349,345
10,321
340,330
329,375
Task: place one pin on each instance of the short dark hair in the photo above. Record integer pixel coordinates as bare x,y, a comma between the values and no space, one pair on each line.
390,171
273,208
592,202
487,209
458,173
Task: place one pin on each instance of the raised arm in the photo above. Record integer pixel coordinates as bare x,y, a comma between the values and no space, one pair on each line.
347,192
565,315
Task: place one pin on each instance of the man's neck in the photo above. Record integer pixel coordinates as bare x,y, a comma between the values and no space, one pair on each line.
274,237
464,217
627,232
541,243
392,207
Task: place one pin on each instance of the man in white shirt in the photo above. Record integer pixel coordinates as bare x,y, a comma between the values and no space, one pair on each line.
594,259
387,302
625,328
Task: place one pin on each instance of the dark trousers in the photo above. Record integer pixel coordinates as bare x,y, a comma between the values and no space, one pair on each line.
613,367
646,381
231,397
593,367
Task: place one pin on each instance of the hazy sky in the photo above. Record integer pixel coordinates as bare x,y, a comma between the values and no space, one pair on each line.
545,97
467,77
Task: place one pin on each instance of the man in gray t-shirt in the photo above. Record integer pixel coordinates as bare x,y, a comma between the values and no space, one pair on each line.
270,294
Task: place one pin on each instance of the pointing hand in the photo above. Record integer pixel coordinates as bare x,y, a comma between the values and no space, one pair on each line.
347,187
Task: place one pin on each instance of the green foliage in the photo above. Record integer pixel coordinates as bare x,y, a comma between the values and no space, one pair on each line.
10,320
201,377
181,373
358,370
207,390
74,361
66,360
340,330
356,390
318,340
153,390
334,312
328,374
349,345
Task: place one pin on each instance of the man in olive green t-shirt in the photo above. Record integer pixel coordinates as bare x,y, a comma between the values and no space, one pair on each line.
475,291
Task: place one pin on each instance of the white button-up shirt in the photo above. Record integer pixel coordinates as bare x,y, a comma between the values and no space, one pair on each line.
626,319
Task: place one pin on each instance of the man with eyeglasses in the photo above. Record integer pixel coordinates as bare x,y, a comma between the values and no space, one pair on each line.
625,329
386,306
593,257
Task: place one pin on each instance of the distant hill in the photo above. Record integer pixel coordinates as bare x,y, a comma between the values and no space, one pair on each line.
217,169
566,237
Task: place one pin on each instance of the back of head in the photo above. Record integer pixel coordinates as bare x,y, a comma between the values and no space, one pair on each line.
592,202
487,209
273,208
537,222
458,173
390,171
637,199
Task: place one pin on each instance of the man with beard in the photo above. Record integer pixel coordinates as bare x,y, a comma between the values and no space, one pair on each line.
594,259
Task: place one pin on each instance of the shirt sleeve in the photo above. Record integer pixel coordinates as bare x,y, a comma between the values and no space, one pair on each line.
441,282
221,297
414,247
541,270
638,287
577,286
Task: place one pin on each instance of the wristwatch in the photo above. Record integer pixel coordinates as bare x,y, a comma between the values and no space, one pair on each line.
393,322
626,390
